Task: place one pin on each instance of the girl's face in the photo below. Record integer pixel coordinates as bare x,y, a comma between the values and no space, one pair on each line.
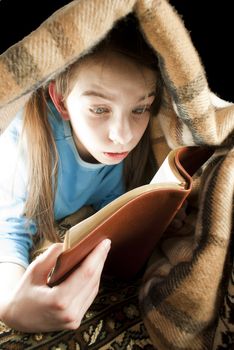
109,107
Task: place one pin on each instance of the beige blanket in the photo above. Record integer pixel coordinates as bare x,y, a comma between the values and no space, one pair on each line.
187,292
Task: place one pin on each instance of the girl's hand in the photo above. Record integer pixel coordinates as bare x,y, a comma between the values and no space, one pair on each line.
35,307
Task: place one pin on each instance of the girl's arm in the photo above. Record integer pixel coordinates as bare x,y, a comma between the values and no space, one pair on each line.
44,308
11,274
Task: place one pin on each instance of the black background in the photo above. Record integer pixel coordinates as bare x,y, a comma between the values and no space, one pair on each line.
210,27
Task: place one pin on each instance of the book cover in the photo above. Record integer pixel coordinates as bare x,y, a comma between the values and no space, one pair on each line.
135,221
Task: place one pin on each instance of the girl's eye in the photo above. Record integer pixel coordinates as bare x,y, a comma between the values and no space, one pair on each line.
141,110
99,110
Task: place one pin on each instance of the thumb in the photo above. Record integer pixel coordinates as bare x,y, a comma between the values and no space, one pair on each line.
42,265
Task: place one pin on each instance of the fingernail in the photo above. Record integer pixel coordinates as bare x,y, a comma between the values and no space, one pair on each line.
106,244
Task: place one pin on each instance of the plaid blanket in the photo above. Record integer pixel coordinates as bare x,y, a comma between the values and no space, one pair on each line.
186,296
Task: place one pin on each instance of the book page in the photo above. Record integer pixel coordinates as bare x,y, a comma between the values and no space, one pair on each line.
168,173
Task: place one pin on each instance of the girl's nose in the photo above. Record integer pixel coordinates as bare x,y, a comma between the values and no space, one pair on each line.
120,131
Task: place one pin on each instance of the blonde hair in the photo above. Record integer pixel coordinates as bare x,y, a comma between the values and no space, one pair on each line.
43,158
42,150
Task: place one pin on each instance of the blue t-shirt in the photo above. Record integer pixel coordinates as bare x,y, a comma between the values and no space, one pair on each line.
79,183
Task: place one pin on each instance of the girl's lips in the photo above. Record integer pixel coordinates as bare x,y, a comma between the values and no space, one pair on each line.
112,155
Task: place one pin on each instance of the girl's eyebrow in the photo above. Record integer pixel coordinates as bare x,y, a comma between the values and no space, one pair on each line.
97,94
153,93
111,98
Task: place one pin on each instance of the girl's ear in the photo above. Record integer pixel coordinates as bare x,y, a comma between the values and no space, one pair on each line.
57,100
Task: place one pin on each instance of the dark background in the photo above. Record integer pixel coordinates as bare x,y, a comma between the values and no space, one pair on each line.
211,30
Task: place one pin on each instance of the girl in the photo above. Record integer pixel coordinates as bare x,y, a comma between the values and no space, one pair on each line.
84,140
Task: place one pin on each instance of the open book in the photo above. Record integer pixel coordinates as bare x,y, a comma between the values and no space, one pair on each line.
135,221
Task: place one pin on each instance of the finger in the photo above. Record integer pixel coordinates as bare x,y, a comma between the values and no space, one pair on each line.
97,256
89,289
46,261
81,309
89,269
83,300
